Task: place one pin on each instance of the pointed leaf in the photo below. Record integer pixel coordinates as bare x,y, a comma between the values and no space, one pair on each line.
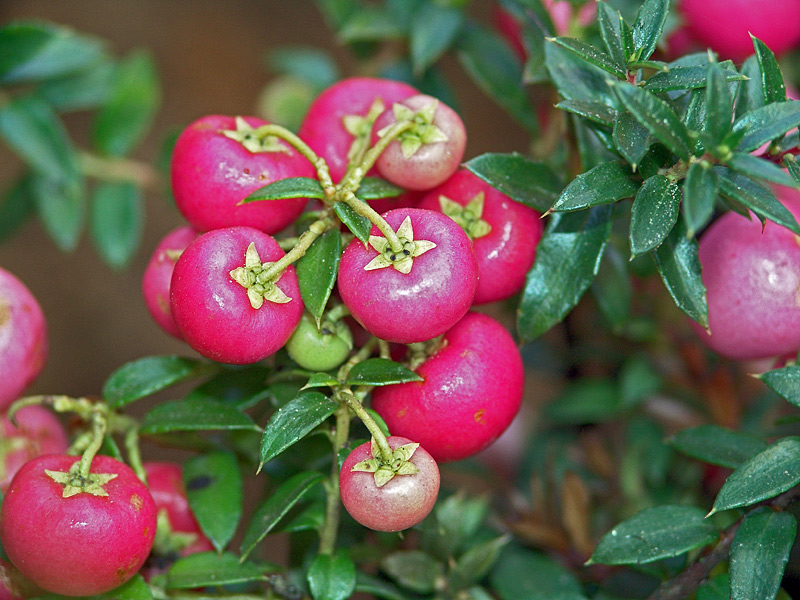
380,371
608,20
631,137
590,54
717,445
525,181
654,213
596,112
475,563
61,206
750,95
317,270
770,122
772,84
360,226
650,21
604,184
331,577
699,196
292,187
433,30
759,199
413,569
719,105
685,78
195,415
760,168
785,382
574,78
794,168
207,569
522,573
679,267
373,188
117,221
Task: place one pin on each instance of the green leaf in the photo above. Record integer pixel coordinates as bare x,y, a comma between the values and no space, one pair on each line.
369,23
321,380
380,371
331,577
685,78
717,445
592,110
117,221
522,573
433,30
83,90
770,122
213,485
612,289
472,566
317,270
654,213
650,21
719,105
276,506
16,206
750,95
457,519
374,188
791,165
654,534
767,474
293,421
771,77
785,382
378,587
591,55
586,401
413,569
61,206
148,375
360,226
760,168
608,20
241,387
567,259
631,138
307,63
493,67
575,79
195,415
677,263
35,51
759,554
657,116
528,182
716,588
207,569
603,184
759,199
291,187
699,196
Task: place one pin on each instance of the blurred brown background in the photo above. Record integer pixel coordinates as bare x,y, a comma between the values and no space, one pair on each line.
211,59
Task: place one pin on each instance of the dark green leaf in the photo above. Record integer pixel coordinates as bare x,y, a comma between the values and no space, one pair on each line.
658,117
785,382
626,35
760,168
654,213
317,270
373,188
149,375
653,534
16,206
604,184
522,573
650,21
793,168
584,402
750,95
61,206
525,181
331,577
293,421
378,587
276,506
433,30
239,387
493,67
719,105
685,78
717,445
310,64
117,221
770,122
612,289
759,199
369,23
205,569
214,488
413,569
380,371
764,476
575,79
85,89
567,259
591,55
590,109
360,226
716,588
135,588
292,187
771,77
699,196
608,20
759,554
195,415
679,267
631,138
456,521
476,562
321,380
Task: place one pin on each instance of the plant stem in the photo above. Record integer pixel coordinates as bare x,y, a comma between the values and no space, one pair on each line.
118,169
323,172
98,433
347,397
365,210
327,537
316,229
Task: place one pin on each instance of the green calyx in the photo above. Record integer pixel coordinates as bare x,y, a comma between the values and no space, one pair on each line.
360,127
402,259
74,483
254,278
168,541
384,472
421,132
468,217
253,138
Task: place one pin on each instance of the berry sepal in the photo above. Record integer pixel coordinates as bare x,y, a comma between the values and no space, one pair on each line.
384,472
75,483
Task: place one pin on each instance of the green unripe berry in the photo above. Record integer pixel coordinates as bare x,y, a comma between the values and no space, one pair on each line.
320,349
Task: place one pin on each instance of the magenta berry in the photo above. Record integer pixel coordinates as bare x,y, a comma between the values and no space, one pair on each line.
504,233
220,302
428,299
158,274
23,338
80,545
428,153
212,173
471,390
402,502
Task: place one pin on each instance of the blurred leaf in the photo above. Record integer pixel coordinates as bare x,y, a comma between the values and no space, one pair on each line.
61,206
567,259
528,182
785,382
638,380
83,90
679,267
716,588
631,137
591,55
369,23
760,168
699,196
771,77
331,577
522,573
717,445
317,270
291,187
214,488
454,523
148,375
360,226
575,79
378,587
134,589
379,371
761,200
275,508
413,569
135,96
195,415
603,184
310,64
759,554
685,78
762,125
16,206
206,569
719,105
653,534
650,21
592,110
433,30
117,221
294,421
654,213
588,400
472,566
612,289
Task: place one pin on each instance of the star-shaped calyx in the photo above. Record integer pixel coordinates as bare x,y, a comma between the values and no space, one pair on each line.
253,277
253,139
422,132
382,472
402,259
74,483
469,217
360,127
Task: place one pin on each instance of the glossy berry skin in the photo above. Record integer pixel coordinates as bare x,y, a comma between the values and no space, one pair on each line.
507,252
726,25
38,431
434,162
401,503
751,278
213,312
158,274
23,338
81,545
319,349
212,173
323,127
471,390
422,304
